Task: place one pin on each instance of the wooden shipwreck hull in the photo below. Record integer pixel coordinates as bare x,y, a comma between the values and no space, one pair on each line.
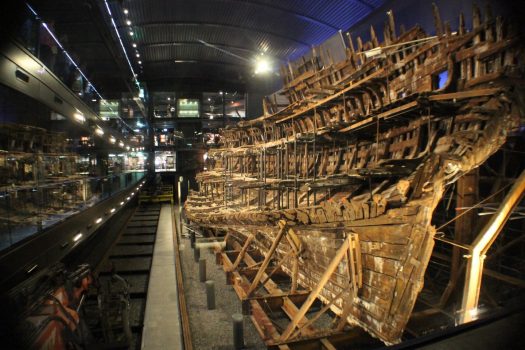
338,188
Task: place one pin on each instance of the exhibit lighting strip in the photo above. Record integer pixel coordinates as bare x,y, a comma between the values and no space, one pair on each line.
121,43
78,116
99,220
64,50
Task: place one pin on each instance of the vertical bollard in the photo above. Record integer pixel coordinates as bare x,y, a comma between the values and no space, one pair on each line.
180,202
192,238
210,295
197,254
202,270
238,331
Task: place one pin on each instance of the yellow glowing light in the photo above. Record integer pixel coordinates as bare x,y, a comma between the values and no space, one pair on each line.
262,65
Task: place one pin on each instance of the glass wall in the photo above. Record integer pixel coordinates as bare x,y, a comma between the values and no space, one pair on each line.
28,210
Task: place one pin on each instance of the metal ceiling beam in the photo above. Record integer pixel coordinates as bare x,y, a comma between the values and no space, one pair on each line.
193,84
215,25
195,43
296,14
195,61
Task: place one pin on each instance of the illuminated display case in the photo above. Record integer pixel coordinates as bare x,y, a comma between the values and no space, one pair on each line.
188,108
43,181
165,161
109,109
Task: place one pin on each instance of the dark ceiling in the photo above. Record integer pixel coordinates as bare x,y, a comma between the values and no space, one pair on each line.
203,45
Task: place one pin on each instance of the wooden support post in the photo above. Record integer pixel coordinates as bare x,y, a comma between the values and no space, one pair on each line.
262,269
315,293
481,245
467,196
274,270
289,307
240,257
318,314
327,345
295,273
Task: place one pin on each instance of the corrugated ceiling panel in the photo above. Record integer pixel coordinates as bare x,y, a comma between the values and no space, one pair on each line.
169,30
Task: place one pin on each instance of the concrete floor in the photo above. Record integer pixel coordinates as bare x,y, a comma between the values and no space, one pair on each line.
212,329
162,328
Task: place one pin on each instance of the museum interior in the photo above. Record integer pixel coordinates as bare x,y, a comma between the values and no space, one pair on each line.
262,174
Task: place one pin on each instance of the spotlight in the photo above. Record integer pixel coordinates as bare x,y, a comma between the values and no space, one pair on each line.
126,11
262,65
128,22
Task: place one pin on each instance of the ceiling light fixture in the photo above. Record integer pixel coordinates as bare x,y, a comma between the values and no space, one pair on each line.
134,45
120,41
126,11
262,65
128,22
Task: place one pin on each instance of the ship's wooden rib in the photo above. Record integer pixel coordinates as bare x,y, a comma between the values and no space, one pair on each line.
338,188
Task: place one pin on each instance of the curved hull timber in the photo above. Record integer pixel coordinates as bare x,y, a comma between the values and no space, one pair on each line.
338,189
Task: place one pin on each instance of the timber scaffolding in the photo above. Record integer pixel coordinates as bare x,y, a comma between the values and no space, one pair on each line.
338,189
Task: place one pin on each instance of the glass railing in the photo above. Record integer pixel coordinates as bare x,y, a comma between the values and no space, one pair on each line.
28,210
37,40
187,142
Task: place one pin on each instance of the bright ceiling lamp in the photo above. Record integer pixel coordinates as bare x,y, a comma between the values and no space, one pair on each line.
262,65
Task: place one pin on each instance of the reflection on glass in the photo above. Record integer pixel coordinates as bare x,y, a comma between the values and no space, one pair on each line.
27,210
165,161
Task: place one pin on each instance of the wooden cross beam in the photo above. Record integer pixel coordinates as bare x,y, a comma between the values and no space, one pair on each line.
240,257
288,302
283,228
341,252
